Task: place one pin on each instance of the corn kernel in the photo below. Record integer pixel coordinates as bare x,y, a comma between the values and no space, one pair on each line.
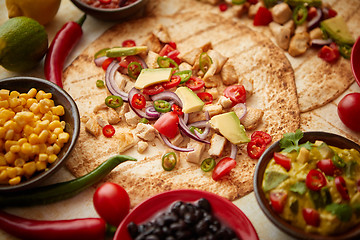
35,108
41,165
43,148
19,162
47,95
40,95
30,102
14,181
2,132
57,148
29,168
15,148
47,116
24,96
58,110
54,124
35,149
10,124
55,118
2,160
14,102
43,124
52,138
8,144
18,108
32,92
34,139
10,157
26,157
26,148
11,172
57,131
22,101
63,137
21,141
19,171
3,175
9,135
52,158
50,150
4,104
43,136
4,94
28,130
43,157
14,94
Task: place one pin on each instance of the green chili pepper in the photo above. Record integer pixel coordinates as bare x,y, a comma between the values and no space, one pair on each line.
64,190
208,164
238,2
169,161
101,53
100,83
205,62
143,120
184,75
162,106
114,101
300,14
338,161
192,129
166,62
345,51
134,69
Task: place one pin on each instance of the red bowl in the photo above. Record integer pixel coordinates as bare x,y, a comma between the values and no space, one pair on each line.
355,60
223,209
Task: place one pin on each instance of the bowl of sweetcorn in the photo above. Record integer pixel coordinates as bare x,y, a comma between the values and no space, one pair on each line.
39,126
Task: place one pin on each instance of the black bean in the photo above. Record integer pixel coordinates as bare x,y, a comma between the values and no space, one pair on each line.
170,238
204,204
182,235
170,218
149,230
201,228
189,218
166,230
141,228
213,228
176,207
152,237
178,226
132,229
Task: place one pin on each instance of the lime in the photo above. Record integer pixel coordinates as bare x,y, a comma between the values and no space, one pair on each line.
23,43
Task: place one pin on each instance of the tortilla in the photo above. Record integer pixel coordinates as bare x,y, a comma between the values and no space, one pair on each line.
317,81
256,58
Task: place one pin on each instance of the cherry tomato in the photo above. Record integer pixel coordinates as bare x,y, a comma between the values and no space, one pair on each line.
105,1
315,180
176,109
327,166
174,81
108,131
267,138
206,97
195,83
282,160
223,7
311,217
329,54
173,45
166,50
331,13
278,200
341,187
262,17
223,168
312,12
128,43
138,101
236,93
154,89
173,54
111,202
167,124
106,63
256,147
349,111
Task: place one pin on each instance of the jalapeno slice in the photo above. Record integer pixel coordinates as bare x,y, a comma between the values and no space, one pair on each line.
184,75
238,2
114,101
345,51
300,14
162,106
143,120
205,62
134,69
100,84
169,161
193,129
101,53
208,164
166,62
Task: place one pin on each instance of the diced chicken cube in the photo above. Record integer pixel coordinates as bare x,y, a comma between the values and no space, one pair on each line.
101,120
195,156
151,59
129,85
218,61
228,74
131,118
84,118
217,145
162,34
301,28
225,102
112,116
93,127
316,33
213,109
281,13
99,107
123,109
291,26
145,132
282,35
299,43
213,81
252,118
213,91
126,141
240,10
153,43
121,80
178,139
248,85
142,146
254,8
192,56
184,66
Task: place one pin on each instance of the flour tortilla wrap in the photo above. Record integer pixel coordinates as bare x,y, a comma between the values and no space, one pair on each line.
255,58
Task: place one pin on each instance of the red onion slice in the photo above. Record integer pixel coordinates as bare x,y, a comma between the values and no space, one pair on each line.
188,133
207,127
320,42
140,113
241,106
233,151
185,117
151,112
110,81
169,144
99,61
313,23
167,95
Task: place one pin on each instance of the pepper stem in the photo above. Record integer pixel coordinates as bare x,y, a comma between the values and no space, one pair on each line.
110,230
81,20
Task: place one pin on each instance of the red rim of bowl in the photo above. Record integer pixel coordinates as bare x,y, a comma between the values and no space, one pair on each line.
355,60
223,209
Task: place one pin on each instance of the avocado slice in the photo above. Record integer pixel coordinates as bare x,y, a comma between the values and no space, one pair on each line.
325,151
272,179
150,76
191,102
230,127
125,51
337,29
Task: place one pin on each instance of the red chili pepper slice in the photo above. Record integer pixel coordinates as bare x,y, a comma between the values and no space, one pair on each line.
262,17
138,101
256,147
312,12
223,168
332,13
195,83
267,138
223,7
278,200
341,187
106,63
174,81
176,109
206,97
315,180
282,160
108,131
154,89
128,43
166,50
173,54
328,167
311,217
172,44
236,93
105,1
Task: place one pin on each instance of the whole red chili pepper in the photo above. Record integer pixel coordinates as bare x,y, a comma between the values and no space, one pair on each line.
64,41
74,229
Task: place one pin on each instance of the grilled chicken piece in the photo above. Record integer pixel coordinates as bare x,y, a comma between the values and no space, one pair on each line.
213,109
151,59
153,43
192,56
217,145
184,66
281,13
195,156
252,118
282,34
254,8
162,34
228,74
248,85
178,139
131,118
239,10
142,146
218,62
225,102
145,132
126,141
101,120
93,127
112,116
299,43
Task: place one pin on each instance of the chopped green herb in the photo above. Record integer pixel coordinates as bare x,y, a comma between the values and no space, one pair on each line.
299,187
342,211
273,179
290,141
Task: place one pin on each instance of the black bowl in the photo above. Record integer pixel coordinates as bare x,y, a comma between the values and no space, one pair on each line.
330,139
71,117
116,14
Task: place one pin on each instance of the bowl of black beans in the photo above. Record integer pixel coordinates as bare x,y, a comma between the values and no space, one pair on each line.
186,214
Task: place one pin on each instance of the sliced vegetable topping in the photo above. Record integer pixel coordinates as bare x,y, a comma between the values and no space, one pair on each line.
341,187
100,83
114,101
315,180
262,17
327,166
256,147
154,89
265,136
236,93
176,109
134,69
329,53
184,75
278,200
106,63
128,43
300,14
143,120
282,160
195,83
101,53
138,101
311,217
174,81
205,62
272,179
167,124
166,62
206,97
162,106
223,168
108,131
169,161
208,164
